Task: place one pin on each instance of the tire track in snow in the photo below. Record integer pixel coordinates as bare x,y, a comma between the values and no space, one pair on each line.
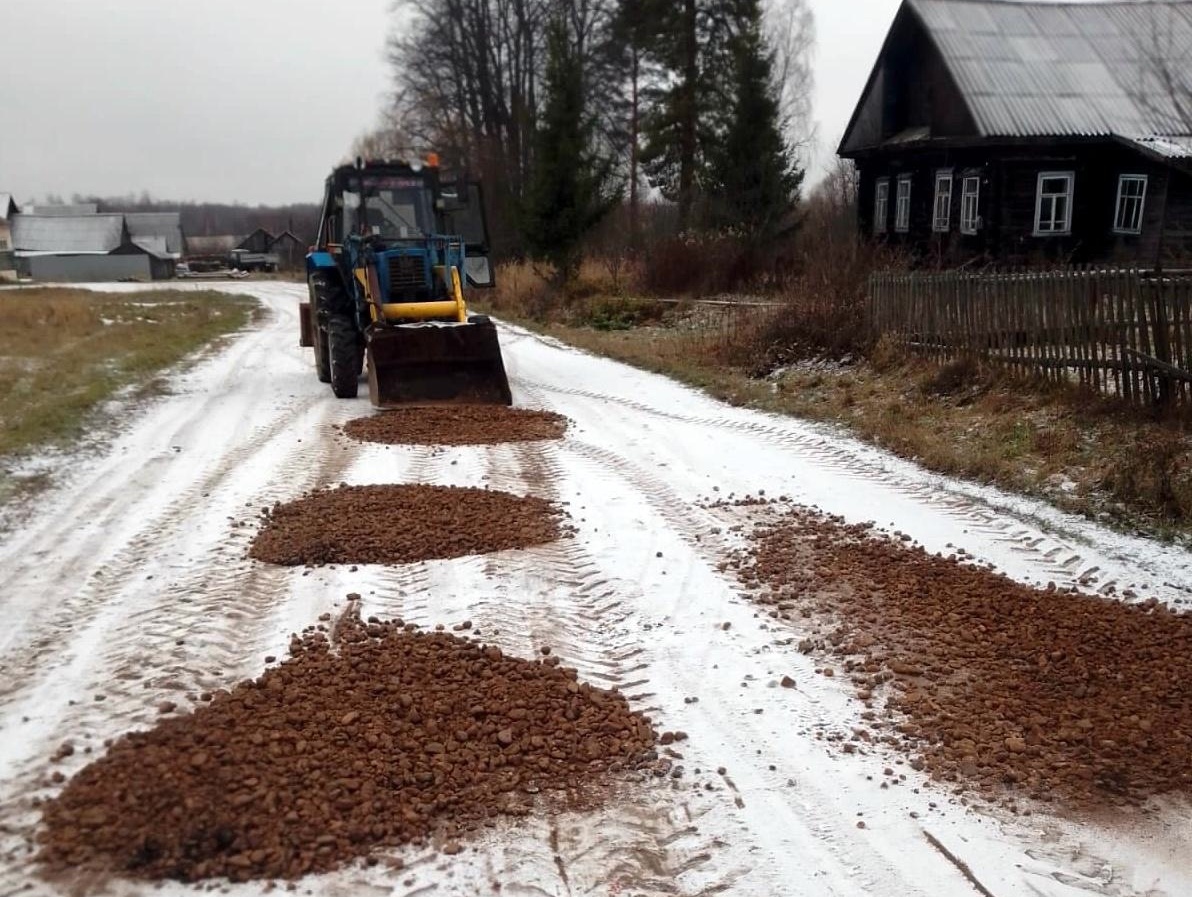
565,599
1052,556
200,621
841,860
830,833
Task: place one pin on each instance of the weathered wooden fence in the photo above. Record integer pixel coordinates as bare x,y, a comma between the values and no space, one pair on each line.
1119,331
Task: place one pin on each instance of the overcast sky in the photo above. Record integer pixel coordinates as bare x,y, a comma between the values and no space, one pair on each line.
249,100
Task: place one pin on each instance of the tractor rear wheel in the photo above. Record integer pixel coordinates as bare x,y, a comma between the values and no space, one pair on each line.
343,343
322,356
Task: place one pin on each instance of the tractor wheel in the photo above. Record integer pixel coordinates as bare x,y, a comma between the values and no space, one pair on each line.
322,356
342,340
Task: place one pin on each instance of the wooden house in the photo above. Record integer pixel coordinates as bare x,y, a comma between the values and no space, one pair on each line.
1025,132
289,250
258,241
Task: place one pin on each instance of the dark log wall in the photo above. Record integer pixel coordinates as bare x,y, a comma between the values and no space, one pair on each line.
1177,236
919,90
1009,184
910,88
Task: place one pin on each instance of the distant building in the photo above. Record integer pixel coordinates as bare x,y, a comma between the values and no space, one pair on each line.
8,209
1019,132
220,246
289,251
86,248
161,230
258,241
258,251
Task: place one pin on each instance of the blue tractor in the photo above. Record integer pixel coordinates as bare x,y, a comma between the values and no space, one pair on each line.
397,243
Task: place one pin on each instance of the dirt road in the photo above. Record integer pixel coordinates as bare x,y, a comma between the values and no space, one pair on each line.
131,587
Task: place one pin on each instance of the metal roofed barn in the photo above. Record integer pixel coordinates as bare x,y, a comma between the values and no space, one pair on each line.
164,225
81,248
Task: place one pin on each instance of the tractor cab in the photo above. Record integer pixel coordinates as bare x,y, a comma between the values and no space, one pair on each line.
397,243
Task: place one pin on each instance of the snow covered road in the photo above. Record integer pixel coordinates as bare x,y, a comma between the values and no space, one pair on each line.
131,586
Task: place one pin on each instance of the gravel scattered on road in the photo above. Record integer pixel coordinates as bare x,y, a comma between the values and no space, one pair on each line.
377,736
402,524
457,425
993,684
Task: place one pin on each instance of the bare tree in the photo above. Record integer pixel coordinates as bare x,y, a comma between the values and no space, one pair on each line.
387,140
467,74
791,34
1161,78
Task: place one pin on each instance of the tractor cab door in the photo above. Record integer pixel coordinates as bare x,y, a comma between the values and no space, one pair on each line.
464,213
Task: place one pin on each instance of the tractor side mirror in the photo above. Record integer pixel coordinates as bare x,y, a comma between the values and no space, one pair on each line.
479,271
449,201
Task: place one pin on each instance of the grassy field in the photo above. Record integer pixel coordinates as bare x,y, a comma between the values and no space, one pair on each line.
1082,453
63,352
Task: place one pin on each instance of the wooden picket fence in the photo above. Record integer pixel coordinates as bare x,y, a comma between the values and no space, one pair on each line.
1119,331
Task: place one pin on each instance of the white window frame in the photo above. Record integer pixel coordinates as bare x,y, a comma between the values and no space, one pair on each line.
881,205
942,223
3,244
1118,226
1065,225
902,205
970,214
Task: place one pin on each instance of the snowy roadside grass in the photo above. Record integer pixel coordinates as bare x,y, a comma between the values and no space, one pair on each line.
65,352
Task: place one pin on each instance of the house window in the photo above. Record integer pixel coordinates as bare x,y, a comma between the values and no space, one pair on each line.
970,203
881,205
3,244
1053,203
1131,198
902,208
942,221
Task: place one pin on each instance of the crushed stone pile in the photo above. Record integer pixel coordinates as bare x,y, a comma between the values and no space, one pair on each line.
402,524
992,683
457,425
384,737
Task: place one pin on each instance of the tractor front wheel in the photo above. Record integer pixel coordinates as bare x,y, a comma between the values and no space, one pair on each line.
344,346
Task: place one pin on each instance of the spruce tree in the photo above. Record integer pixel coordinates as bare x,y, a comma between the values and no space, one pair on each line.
671,154
687,118
753,182
571,186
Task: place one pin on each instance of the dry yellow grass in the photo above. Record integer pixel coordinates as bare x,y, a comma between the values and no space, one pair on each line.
64,351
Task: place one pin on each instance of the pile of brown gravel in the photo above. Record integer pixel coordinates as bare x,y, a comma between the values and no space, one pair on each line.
386,737
402,524
994,683
457,425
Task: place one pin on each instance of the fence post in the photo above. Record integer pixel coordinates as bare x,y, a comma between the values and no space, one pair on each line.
1161,341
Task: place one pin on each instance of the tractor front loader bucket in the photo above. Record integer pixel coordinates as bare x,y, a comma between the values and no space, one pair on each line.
436,364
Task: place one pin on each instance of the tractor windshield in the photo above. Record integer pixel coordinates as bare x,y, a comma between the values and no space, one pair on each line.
395,207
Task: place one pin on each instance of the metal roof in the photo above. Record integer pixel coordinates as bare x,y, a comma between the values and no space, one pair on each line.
167,225
50,233
217,245
155,246
64,211
1066,69
1167,147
